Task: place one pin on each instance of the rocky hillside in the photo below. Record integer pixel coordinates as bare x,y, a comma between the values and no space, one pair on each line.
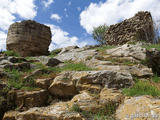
89,83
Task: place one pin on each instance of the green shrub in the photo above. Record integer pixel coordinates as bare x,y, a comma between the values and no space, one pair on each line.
142,88
99,34
11,53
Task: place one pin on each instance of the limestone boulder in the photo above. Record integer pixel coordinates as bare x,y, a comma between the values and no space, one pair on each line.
68,84
139,108
58,111
63,86
128,50
137,70
138,28
18,66
110,95
48,61
11,115
85,102
43,83
29,38
110,79
29,99
11,62
69,48
76,55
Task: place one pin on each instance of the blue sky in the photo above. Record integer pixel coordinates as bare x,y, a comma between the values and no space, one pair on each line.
72,21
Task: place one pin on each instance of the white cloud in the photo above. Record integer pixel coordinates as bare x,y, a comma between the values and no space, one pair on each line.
65,9
47,3
62,38
9,8
55,17
112,11
25,9
69,3
79,8
3,37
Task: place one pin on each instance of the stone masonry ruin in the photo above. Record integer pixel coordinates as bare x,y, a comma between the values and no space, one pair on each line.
138,28
29,38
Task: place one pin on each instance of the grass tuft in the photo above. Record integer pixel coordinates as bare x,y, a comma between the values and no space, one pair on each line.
156,79
16,80
148,47
75,108
11,53
142,88
103,48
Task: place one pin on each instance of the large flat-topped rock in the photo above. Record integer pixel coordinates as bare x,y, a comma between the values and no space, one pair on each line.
138,28
29,38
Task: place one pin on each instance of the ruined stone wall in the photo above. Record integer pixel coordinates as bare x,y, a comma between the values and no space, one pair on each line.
138,28
29,38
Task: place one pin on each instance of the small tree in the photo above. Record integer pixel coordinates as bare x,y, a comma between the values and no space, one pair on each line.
99,34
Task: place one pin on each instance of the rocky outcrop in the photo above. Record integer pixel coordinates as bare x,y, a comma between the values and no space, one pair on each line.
29,99
138,28
48,61
77,55
127,50
29,38
69,84
139,108
59,111
50,90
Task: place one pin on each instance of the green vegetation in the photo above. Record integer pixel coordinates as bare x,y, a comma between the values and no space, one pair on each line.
39,65
29,58
156,79
121,61
99,34
89,58
148,47
75,108
11,53
102,114
76,67
104,47
69,66
16,80
53,53
142,88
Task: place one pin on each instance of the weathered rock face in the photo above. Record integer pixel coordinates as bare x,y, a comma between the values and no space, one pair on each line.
138,28
139,108
29,38
59,111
